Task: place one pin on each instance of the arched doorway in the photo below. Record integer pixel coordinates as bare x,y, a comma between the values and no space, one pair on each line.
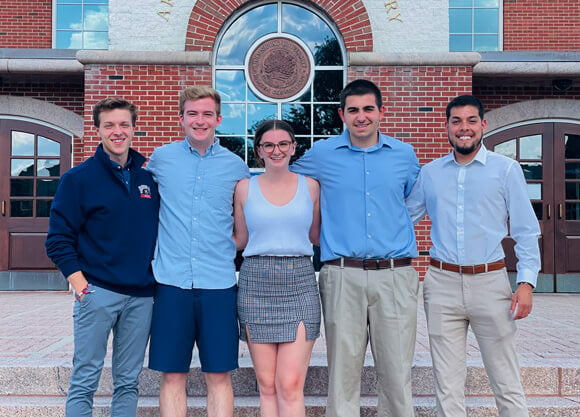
549,153
33,156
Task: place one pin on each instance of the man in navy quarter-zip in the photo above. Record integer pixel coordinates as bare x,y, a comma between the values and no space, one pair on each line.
102,235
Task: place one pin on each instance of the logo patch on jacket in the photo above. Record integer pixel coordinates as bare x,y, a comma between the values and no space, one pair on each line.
145,191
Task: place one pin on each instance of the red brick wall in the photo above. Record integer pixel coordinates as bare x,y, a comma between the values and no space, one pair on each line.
155,91
496,93
208,17
415,99
551,25
68,95
26,24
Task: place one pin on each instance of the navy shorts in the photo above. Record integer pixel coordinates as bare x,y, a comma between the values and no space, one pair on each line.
183,318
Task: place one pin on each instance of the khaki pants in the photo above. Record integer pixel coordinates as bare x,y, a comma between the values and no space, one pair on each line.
455,301
380,305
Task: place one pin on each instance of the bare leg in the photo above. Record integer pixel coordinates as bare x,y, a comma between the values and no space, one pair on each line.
291,369
220,394
264,358
172,395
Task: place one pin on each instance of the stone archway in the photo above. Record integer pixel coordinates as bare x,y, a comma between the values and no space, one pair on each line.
207,18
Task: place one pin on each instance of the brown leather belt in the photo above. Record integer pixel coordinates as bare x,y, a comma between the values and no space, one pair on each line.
372,264
468,269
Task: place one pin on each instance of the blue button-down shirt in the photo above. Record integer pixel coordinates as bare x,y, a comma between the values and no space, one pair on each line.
362,192
469,207
195,248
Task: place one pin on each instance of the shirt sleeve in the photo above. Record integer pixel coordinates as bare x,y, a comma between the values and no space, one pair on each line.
416,200
414,169
524,227
64,225
305,165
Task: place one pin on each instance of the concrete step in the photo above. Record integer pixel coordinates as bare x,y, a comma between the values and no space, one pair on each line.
52,380
39,406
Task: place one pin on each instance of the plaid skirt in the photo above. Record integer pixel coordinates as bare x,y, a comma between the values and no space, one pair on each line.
276,294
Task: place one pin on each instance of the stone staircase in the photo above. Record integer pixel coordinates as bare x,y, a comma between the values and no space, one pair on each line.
39,390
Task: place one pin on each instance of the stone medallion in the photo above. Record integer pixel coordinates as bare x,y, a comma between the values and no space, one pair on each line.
279,68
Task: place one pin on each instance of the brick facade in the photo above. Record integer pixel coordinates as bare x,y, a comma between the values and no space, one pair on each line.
541,25
26,24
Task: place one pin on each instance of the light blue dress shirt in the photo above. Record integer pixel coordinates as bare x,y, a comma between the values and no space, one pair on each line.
362,196
469,207
195,248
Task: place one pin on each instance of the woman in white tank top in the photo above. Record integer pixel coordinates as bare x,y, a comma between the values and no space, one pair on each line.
277,219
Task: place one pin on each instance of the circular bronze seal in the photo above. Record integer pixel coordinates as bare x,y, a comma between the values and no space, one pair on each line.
279,68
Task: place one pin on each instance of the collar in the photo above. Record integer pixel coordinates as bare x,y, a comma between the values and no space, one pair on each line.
134,160
343,141
480,157
211,149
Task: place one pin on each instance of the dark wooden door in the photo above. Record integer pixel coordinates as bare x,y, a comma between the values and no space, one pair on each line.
549,154
32,159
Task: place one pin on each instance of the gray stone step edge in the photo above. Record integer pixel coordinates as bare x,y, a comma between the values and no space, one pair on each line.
315,407
560,381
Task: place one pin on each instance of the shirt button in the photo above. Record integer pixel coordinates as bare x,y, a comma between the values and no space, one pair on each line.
369,236
369,214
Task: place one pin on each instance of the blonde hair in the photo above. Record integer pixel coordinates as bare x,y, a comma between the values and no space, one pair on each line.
195,93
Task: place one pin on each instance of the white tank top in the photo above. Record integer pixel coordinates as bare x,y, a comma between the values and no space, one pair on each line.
278,230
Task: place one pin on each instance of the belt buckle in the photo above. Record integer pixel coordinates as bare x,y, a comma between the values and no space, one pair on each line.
371,264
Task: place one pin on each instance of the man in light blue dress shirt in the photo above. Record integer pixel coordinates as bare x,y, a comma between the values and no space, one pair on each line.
368,285
470,196
195,297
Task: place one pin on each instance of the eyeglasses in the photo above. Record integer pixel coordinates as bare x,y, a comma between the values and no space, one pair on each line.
269,147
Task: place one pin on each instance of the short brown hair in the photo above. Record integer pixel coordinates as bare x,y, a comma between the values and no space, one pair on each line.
112,103
199,91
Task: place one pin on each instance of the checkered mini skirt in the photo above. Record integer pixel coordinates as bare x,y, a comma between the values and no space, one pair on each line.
276,294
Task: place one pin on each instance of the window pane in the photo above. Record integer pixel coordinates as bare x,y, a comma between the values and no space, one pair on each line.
311,30
485,42
69,40
298,115
95,40
573,191
572,146
22,168
233,120
328,53
69,17
48,147
302,145
96,18
572,211
532,171
531,147
573,170
231,85
507,148
21,208
326,120
327,85
21,188
535,191
43,208
244,31
460,21
486,20
538,210
460,3
22,143
46,188
486,3
257,113
460,43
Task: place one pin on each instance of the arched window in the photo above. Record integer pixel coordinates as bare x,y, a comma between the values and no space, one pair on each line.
278,60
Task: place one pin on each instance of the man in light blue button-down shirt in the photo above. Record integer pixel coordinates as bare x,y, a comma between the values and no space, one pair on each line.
195,297
367,285
470,196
